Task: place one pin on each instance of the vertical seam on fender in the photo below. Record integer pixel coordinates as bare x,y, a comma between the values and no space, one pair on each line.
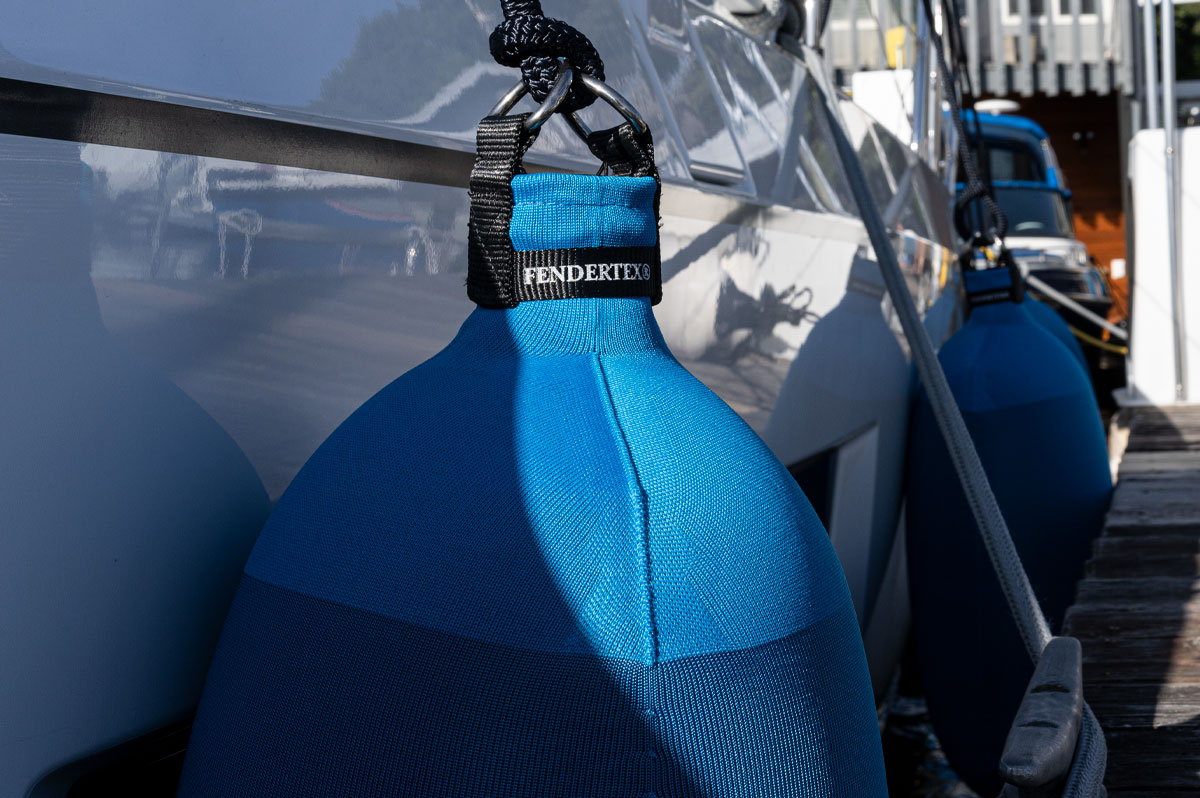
643,507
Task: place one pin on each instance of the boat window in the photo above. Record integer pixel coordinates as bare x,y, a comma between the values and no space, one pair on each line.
859,130
1085,7
1035,212
1038,9
814,475
818,153
712,154
759,116
1013,160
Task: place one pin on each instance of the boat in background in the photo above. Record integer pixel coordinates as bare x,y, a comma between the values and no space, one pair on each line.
1030,187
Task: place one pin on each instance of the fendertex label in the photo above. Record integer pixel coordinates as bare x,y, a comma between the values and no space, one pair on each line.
585,272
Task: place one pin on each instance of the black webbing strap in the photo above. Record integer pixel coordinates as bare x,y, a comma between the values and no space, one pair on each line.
500,277
1011,291
624,151
628,153
501,142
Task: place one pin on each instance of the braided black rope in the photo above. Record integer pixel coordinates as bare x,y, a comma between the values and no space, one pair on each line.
973,220
977,188
532,41
959,48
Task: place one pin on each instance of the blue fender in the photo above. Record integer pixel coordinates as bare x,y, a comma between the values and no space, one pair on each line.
1033,418
1054,324
548,561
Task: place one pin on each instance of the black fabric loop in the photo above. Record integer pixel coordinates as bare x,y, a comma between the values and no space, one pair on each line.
1016,286
962,210
500,277
1013,292
501,143
624,151
534,42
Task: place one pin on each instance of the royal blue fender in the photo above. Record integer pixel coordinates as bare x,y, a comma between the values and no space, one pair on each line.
548,561
1033,418
1054,324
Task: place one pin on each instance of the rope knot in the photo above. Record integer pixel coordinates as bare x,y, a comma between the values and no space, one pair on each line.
534,42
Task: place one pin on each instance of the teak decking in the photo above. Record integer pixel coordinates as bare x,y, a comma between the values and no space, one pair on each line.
1137,612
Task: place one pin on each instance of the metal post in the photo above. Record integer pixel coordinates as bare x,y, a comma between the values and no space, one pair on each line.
998,72
1149,47
910,48
1101,84
854,65
1025,49
921,71
1077,82
812,20
1050,49
827,48
973,34
933,105
1125,23
881,11
1168,115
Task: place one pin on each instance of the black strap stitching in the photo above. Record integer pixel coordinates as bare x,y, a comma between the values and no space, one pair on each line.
501,142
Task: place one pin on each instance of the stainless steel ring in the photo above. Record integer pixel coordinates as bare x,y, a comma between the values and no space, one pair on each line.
613,98
561,86
544,111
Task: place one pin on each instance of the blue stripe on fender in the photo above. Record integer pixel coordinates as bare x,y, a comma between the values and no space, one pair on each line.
456,717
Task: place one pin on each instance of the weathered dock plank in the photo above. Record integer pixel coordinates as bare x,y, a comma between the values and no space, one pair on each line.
1097,591
1137,611
1149,567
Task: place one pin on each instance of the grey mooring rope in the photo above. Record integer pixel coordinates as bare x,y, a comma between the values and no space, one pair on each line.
1087,774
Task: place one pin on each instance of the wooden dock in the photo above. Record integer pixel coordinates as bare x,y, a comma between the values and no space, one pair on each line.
1137,613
